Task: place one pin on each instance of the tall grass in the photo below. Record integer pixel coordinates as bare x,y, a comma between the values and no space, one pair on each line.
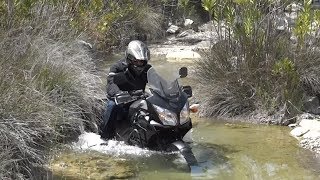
255,67
131,19
47,86
49,90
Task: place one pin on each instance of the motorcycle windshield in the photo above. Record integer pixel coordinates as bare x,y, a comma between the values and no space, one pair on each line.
166,88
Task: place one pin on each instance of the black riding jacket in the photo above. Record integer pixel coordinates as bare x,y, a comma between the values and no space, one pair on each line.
131,82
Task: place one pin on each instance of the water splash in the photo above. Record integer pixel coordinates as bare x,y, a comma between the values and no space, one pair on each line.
91,141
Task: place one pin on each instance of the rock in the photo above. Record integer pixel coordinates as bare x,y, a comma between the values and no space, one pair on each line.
294,7
306,116
311,105
294,39
299,131
312,144
286,122
281,23
207,27
203,45
313,125
291,17
312,134
173,29
182,55
189,40
308,132
188,22
293,125
186,33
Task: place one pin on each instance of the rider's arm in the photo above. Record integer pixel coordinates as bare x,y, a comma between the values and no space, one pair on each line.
112,87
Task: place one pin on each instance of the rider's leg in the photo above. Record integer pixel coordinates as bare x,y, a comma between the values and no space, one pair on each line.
107,113
107,117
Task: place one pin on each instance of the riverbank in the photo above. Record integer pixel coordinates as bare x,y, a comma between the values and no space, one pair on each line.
179,49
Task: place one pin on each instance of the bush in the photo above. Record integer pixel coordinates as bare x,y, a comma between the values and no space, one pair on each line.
109,24
47,87
49,92
256,66
131,19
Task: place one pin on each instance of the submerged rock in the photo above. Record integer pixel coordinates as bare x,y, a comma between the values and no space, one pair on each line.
91,165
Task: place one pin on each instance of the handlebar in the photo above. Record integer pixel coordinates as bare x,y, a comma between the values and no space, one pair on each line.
128,97
136,93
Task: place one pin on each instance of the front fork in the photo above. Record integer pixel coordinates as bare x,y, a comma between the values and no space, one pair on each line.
186,152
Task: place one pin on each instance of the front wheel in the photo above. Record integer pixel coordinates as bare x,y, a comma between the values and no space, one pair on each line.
135,139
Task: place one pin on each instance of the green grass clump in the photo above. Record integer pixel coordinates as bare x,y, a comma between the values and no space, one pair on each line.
256,67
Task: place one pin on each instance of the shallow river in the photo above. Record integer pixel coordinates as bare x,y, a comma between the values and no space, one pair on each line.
224,151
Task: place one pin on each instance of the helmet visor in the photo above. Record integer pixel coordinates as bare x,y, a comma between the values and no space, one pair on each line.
137,62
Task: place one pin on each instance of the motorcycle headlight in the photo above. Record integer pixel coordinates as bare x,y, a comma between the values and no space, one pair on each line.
166,116
184,114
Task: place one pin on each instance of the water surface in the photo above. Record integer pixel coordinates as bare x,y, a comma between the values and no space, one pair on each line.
224,151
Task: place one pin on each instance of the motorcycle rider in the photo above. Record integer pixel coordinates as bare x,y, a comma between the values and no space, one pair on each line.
127,74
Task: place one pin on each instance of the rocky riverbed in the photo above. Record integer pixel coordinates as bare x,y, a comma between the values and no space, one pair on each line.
307,131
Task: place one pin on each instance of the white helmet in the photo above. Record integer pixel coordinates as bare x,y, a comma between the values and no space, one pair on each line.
138,50
137,56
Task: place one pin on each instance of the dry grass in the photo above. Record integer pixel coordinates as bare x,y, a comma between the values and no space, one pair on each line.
139,21
47,86
227,91
49,90
261,71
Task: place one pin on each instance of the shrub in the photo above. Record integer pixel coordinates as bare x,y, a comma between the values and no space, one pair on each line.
255,66
47,86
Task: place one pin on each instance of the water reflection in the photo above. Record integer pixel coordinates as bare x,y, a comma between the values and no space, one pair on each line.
255,151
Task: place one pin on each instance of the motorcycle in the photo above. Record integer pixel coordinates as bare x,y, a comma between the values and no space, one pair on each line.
157,120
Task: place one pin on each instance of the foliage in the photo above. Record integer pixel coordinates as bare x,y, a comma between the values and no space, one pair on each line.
285,72
209,6
303,23
109,23
43,100
184,4
48,92
255,66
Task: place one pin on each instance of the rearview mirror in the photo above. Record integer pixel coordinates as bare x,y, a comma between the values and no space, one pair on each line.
183,72
187,90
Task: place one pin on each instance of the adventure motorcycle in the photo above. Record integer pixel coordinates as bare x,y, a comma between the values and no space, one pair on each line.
160,119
